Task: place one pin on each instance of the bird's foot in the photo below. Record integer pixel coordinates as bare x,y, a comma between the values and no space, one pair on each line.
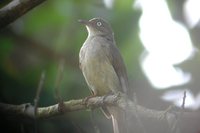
85,100
61,106
105,96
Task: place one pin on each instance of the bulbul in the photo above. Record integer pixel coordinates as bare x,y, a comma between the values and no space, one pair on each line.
103,67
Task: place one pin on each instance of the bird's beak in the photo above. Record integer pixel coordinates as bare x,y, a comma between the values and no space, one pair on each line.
85,22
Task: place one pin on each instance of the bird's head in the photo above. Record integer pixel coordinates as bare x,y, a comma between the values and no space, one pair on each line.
97,26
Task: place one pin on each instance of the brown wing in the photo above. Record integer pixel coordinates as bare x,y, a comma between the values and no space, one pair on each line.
119,66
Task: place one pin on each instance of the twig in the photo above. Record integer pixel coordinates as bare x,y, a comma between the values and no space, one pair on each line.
183,103
37,97
59,77
58,81
174,127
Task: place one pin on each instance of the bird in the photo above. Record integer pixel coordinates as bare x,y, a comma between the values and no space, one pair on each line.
103,68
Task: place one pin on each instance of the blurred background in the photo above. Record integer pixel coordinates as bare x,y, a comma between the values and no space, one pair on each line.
158,40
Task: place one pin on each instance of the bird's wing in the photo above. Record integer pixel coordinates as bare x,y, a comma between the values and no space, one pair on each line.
119,66
117,62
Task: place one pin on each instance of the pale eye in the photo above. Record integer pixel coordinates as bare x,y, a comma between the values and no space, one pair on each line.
99,24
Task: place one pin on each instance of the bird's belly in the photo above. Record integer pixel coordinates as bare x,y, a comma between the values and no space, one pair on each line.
100,76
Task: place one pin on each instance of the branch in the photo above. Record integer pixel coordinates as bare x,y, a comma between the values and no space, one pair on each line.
27,110
16,9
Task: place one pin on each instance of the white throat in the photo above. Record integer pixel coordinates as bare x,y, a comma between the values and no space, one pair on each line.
89,31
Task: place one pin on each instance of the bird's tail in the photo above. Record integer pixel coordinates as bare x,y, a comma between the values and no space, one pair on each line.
118,120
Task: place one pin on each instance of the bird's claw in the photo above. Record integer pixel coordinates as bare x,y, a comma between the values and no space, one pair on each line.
85,100
61,107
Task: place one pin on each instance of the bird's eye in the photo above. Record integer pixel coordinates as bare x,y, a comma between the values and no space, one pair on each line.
99,24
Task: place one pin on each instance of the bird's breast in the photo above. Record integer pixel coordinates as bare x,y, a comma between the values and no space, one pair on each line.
98,70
